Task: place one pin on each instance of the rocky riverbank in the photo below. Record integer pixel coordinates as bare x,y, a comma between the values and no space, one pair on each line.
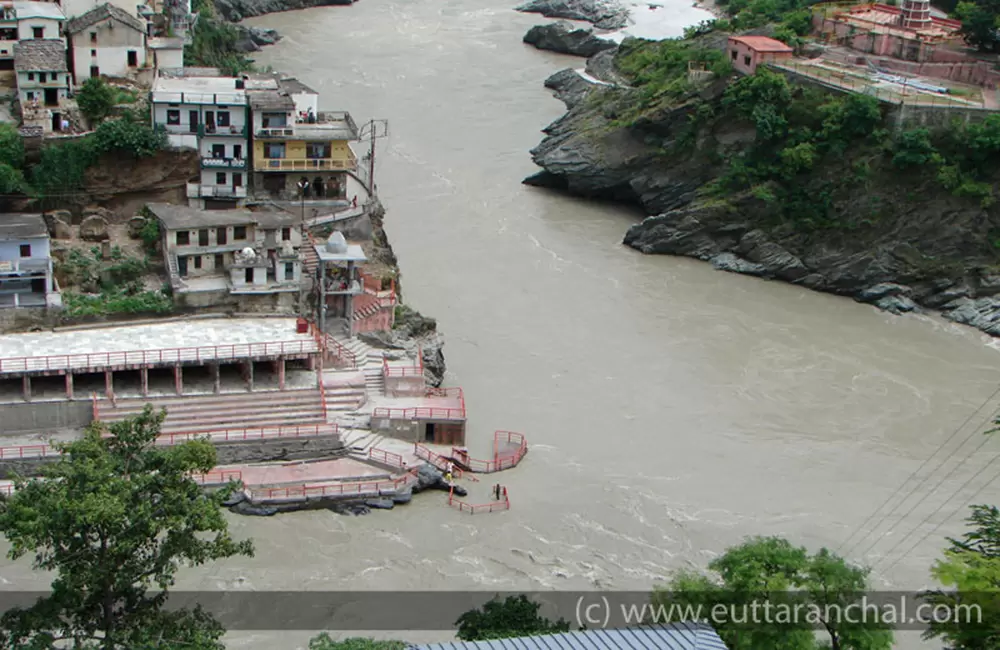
566,38
897,241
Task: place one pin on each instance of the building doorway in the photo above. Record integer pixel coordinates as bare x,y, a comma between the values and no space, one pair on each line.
193,121
56,121
51,96
318,187
95,72
429,433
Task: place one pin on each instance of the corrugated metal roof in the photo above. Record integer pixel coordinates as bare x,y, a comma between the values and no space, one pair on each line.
679,636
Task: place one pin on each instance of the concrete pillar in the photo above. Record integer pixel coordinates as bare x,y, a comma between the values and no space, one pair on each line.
248,375
144,380
109,383
281,373
69,385
26,386
216,378
311,362
179,379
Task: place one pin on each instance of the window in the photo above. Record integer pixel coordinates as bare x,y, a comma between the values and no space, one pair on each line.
220,260
746,60
31,76
237,180
318,150
222,118
220,178
6,64
95,72
93,37
286,234
173,116
41,77
218,151
38,32
732,55
132,58
183,238
239,232
274,149
25,250
220,236
203,237
238,151
274,120
197,261
289,271
31,96
248,275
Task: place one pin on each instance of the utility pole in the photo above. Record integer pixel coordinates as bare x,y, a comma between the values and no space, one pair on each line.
374,130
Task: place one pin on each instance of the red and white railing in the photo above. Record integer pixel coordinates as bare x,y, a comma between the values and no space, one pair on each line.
416,370
355,488
493,506
147,357
386,457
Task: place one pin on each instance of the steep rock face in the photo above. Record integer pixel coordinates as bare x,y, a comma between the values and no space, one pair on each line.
932,253
604,14
168,171
237,10
565,38
253,38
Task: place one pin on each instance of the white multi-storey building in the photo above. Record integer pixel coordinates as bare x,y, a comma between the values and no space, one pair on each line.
107,41
208,114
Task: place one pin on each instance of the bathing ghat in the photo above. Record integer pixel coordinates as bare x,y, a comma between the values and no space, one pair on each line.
296,415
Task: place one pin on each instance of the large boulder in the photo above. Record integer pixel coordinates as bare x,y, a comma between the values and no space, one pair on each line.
604,14
96,210
58,223
567,38
94,228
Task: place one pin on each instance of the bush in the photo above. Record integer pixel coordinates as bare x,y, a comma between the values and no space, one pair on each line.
128,135
150,234
96,99
11,146
130,299
913,148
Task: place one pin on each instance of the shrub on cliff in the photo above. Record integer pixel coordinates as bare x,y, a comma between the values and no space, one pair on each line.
129,136
96,99
213,45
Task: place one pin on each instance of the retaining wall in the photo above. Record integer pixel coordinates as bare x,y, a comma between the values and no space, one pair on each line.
232,453
43,417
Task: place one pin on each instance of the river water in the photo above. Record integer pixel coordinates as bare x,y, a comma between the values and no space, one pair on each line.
671,409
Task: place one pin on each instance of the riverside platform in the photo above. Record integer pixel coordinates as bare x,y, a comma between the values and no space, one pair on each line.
159,346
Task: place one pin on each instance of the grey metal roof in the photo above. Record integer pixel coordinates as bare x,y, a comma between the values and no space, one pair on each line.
103,12
19,225
295,87
678,636
40,54
28,9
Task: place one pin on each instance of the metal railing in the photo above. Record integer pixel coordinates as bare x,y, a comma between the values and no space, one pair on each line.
494,506
404,371
218,476
354,488
306,164
224,163
382,456
501,460
144,357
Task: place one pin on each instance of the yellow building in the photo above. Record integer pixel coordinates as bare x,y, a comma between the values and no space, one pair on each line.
299,152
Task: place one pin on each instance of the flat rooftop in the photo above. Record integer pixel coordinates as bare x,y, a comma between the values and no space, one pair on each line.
886,21
170,89
18,225
181,340
28,9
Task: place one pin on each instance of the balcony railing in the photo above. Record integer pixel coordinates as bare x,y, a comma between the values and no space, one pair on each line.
24,265
224,163
305,164
196,191
239,130
236,98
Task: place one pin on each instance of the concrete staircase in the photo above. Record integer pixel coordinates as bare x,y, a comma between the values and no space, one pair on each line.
345,399
310,260
223,411
359,441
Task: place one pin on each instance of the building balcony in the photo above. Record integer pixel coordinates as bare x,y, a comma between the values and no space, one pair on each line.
209,99
235,130
324,127
24,266
305,164
198,191
223,163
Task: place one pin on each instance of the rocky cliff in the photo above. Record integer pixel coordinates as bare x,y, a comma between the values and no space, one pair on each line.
237,10
894,239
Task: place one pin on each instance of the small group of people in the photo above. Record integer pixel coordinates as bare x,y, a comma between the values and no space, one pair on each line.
498,492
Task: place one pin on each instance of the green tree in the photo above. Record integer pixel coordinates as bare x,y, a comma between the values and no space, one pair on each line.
114,518
971,570
762,97
96,98
510,617
770,570
324,642
129,135
11,146
913,148
980,22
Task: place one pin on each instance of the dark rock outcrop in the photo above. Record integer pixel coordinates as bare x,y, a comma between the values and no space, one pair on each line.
237,10
415,334
566,38
604,14
253,38
930,253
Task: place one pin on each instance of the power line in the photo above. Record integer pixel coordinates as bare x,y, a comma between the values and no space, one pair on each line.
917,471
917,504
949,516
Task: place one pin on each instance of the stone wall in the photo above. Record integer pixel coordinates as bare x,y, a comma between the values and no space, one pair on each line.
233,453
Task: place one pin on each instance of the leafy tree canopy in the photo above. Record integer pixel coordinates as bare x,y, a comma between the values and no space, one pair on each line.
324,642
980,23
11,146
971,572
771,570
96,98
501,619
114,518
